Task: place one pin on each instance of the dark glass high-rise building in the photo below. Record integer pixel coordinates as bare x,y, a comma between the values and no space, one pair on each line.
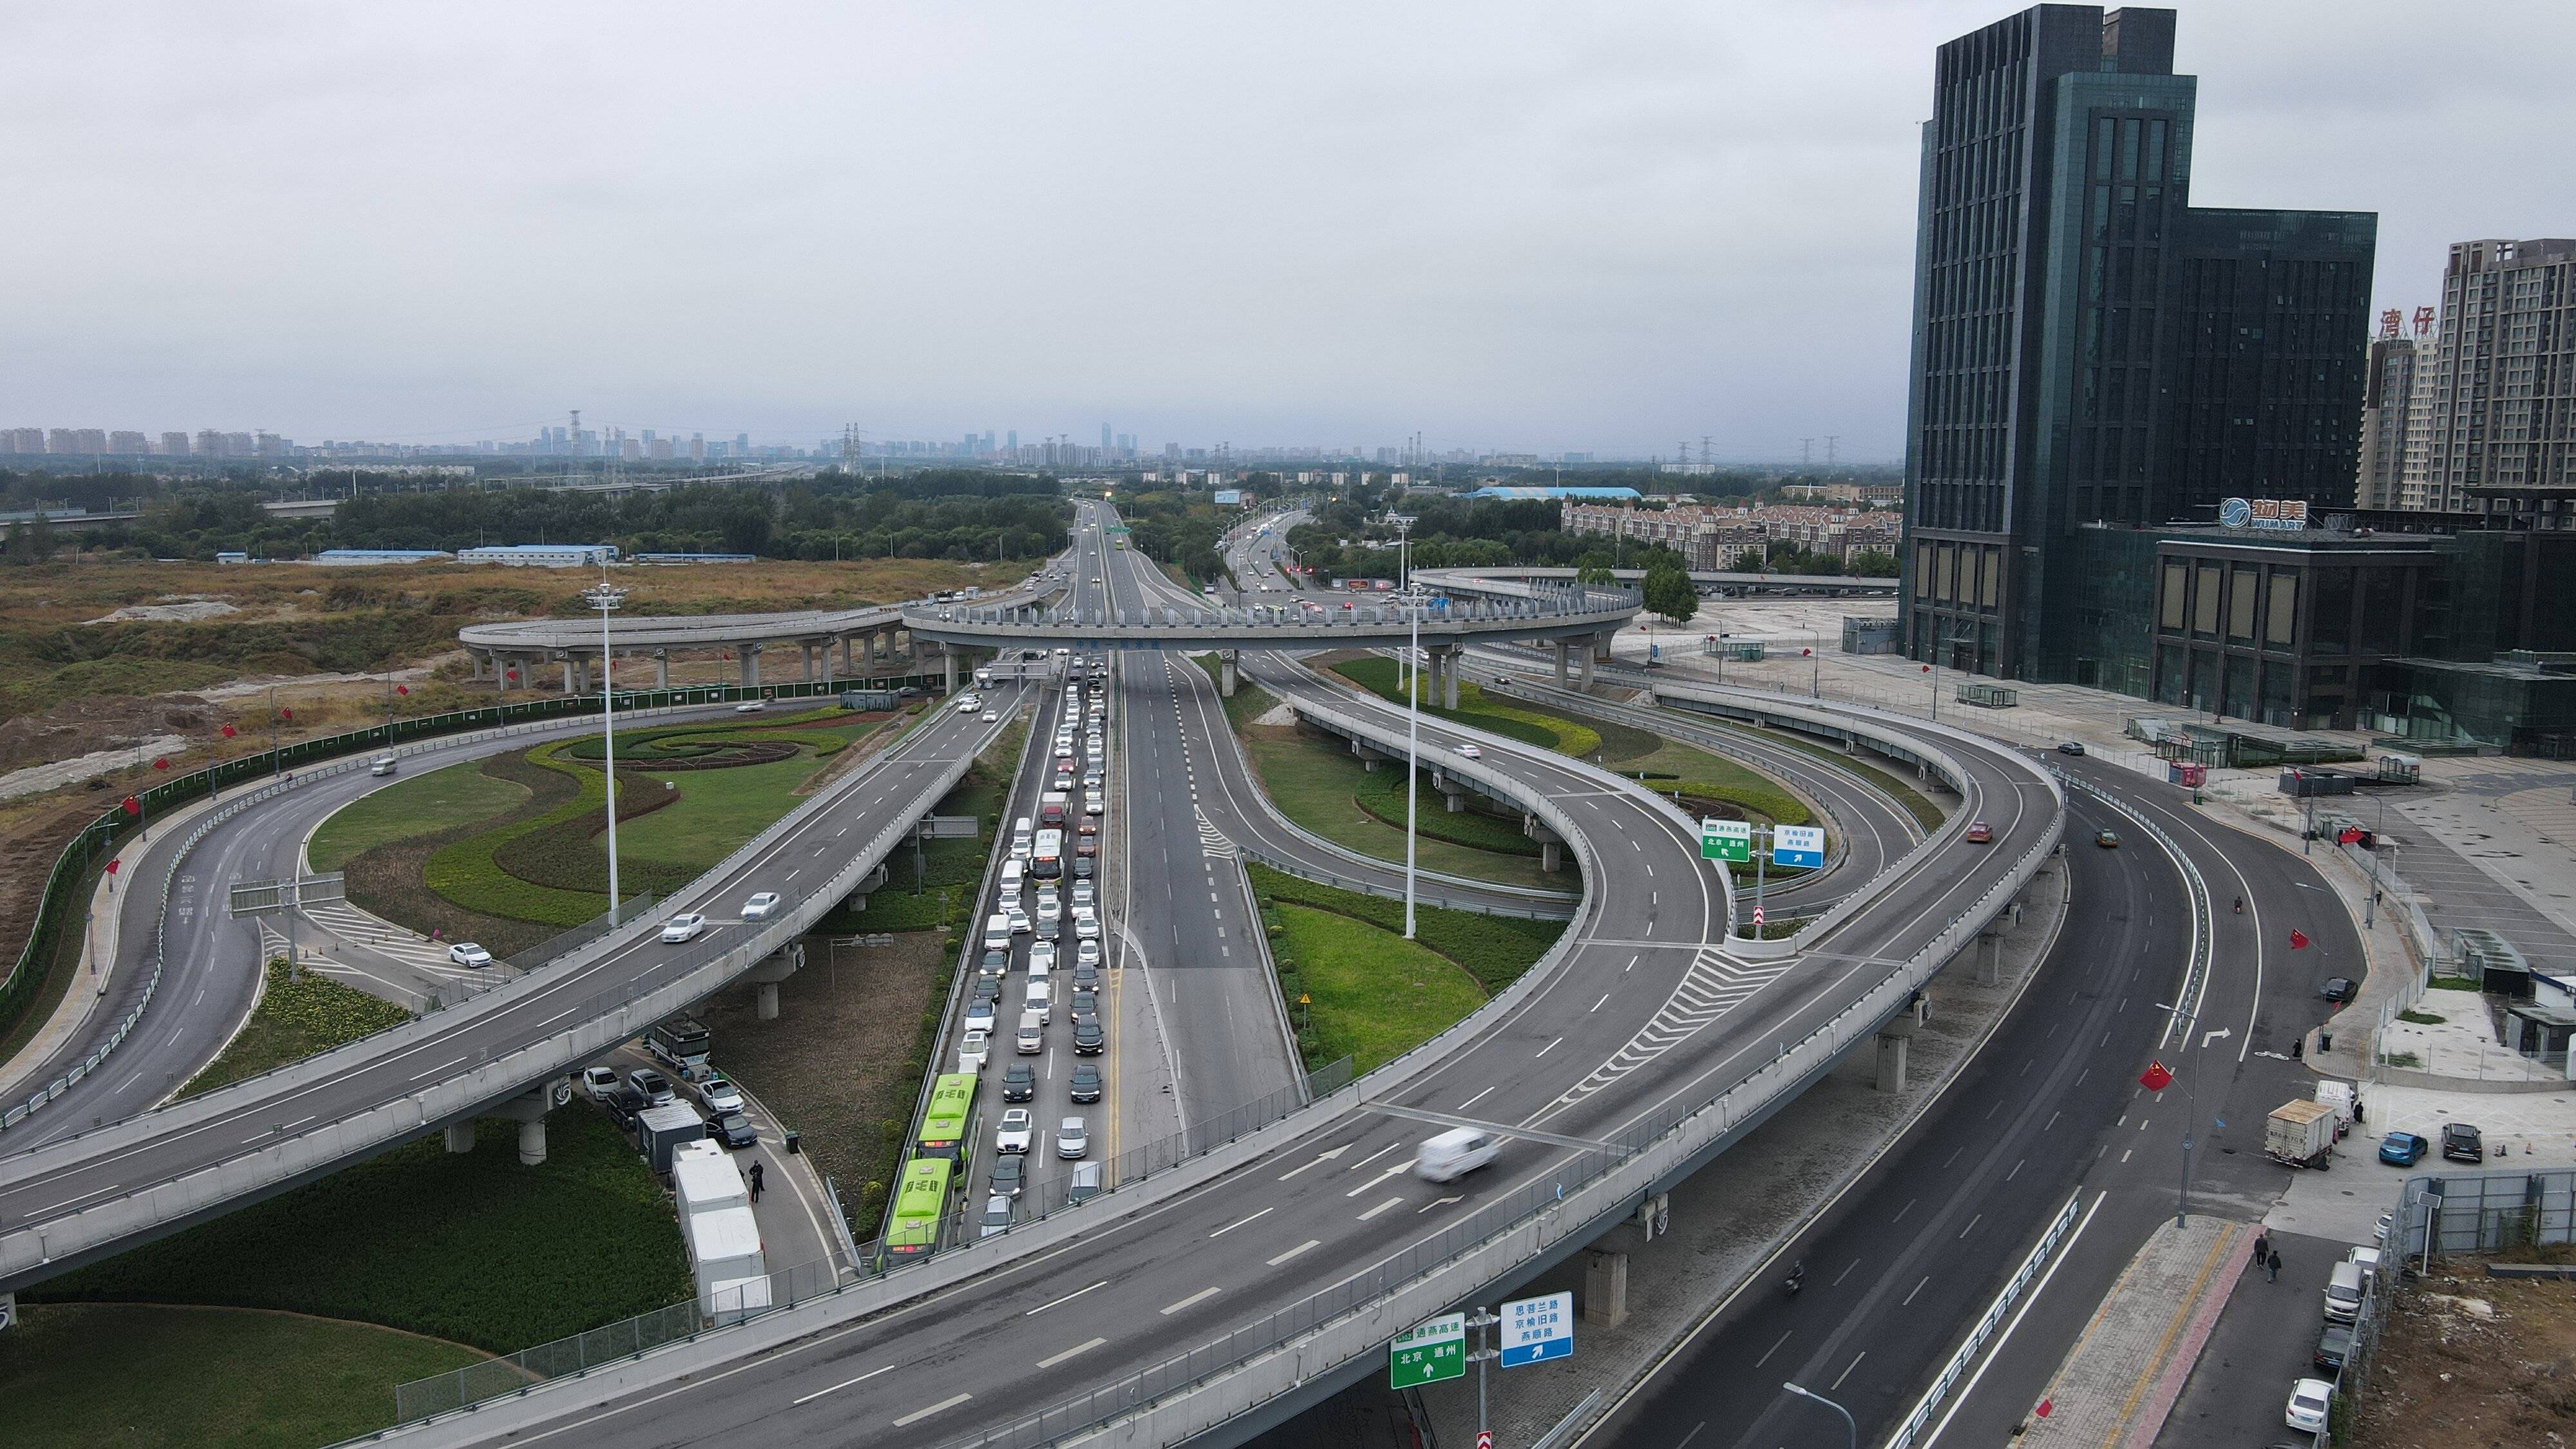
2091,350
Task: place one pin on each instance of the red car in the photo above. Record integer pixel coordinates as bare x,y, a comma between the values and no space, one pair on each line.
1980,833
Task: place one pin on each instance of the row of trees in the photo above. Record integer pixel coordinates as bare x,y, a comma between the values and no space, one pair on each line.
959,514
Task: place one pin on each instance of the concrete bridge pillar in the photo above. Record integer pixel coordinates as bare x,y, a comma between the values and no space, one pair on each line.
1601,647
1605,1288
765,975
857,900
1990,957
1893,1044
1449,675
1369,758
661,669
1551,846
849,666
1562,648
1588,656
460,1136
751,666
805,649
1456,800
1226,680
474,661
529,1110
532,1142
948,665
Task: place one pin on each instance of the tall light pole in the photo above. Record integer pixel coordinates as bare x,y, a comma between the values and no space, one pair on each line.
1412,754
606,598
2191,1117
1848,1422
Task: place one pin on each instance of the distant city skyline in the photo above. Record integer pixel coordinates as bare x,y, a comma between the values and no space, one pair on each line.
1511,228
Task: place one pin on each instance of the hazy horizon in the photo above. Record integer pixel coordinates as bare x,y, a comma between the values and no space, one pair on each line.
1511,228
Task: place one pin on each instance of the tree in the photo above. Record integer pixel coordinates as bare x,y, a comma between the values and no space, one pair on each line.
1669,593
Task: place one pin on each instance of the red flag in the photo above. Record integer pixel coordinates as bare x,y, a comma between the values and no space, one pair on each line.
402,689
286,714
161,764
228,732
133,806
2298,939
112,865
2155,1078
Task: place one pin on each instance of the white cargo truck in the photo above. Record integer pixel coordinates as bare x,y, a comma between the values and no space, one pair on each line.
2300,1134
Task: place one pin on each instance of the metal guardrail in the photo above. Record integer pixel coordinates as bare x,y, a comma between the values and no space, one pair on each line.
2022,1278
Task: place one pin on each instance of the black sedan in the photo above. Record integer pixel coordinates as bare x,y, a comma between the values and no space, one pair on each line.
2339,989
735,1131
1020,1083
2461,1143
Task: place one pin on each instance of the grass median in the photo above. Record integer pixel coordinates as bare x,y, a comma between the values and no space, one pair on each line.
150,1376
299,1015
1370,993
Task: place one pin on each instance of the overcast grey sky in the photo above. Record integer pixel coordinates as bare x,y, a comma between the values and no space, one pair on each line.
1509,225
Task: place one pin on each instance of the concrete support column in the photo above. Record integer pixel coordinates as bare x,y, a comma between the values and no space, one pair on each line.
1605,1288
1551,855
661,669
1894,1041
1561,649
1588,657
532,1142
1456,800
751,666
948,667
1601,647
766,997
1226,679
567,666
1990,957
1449,677
460,1137
474,661
805,649
849,666
766,973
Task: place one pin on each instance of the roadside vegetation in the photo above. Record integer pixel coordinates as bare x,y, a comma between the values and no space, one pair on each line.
295,1019
1925,812
472,1247
150,1376
1366,991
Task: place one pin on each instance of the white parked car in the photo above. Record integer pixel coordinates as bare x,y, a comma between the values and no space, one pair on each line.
1018,1126
600,1083
2309,1401
683,927
977,1047
719,1096
1072,1140
760,905
466,953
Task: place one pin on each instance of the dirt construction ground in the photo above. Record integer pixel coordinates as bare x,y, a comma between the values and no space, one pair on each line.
2474,1363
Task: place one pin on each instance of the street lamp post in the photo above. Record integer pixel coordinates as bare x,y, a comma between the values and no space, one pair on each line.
606,598
2191,1112
1412,755
1849,1423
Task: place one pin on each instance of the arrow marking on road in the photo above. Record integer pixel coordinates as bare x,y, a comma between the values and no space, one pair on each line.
1320,1159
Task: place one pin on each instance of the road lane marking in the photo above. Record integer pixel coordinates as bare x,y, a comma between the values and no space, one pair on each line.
1972,1225
1551,1046
1847,1370
843,1384
919,1414
1436,1202
1845,1273
1381,1207
1200,1296
1909,1298
2016,1172
1372,1157
441,1067
1068,1298
1766,1354
1596,1006
1480,1096
1070,1352
1303,1247
1901,1212
1374,1181
1239,1222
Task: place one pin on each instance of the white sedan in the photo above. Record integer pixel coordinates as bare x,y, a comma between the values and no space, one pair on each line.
990,716
683,927
1470,752
1018,1126
2309,1401
759,906
973,1053
466,953
719,1096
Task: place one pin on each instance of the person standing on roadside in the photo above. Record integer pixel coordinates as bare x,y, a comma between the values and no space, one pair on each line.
2272,1267
755,1182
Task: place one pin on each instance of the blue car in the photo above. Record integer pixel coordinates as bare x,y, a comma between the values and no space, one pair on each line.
2403,1149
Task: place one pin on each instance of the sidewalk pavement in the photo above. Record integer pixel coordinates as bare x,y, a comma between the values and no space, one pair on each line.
2122,1377
2262,1343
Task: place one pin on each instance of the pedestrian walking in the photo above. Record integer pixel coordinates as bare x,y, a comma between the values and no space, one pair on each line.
755,1193
2262,1249
2271,1265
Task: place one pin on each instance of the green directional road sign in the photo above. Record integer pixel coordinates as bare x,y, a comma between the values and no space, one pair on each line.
1726,840
1427,1353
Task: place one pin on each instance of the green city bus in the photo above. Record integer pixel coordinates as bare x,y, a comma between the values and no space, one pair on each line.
949,1119
919,1204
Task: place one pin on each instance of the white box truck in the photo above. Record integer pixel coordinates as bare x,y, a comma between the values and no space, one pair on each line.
2300,1134
704,1178
724,1249
659,1131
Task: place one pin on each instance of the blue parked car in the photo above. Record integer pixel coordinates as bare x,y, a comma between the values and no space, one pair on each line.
2403,1149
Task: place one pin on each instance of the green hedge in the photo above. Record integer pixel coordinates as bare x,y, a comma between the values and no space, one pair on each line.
1381,796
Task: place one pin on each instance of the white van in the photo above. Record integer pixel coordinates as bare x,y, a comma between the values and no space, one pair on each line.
2343,1293
1453,1154
1012,874
997,933
1032,1039
1042,1000
381,765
